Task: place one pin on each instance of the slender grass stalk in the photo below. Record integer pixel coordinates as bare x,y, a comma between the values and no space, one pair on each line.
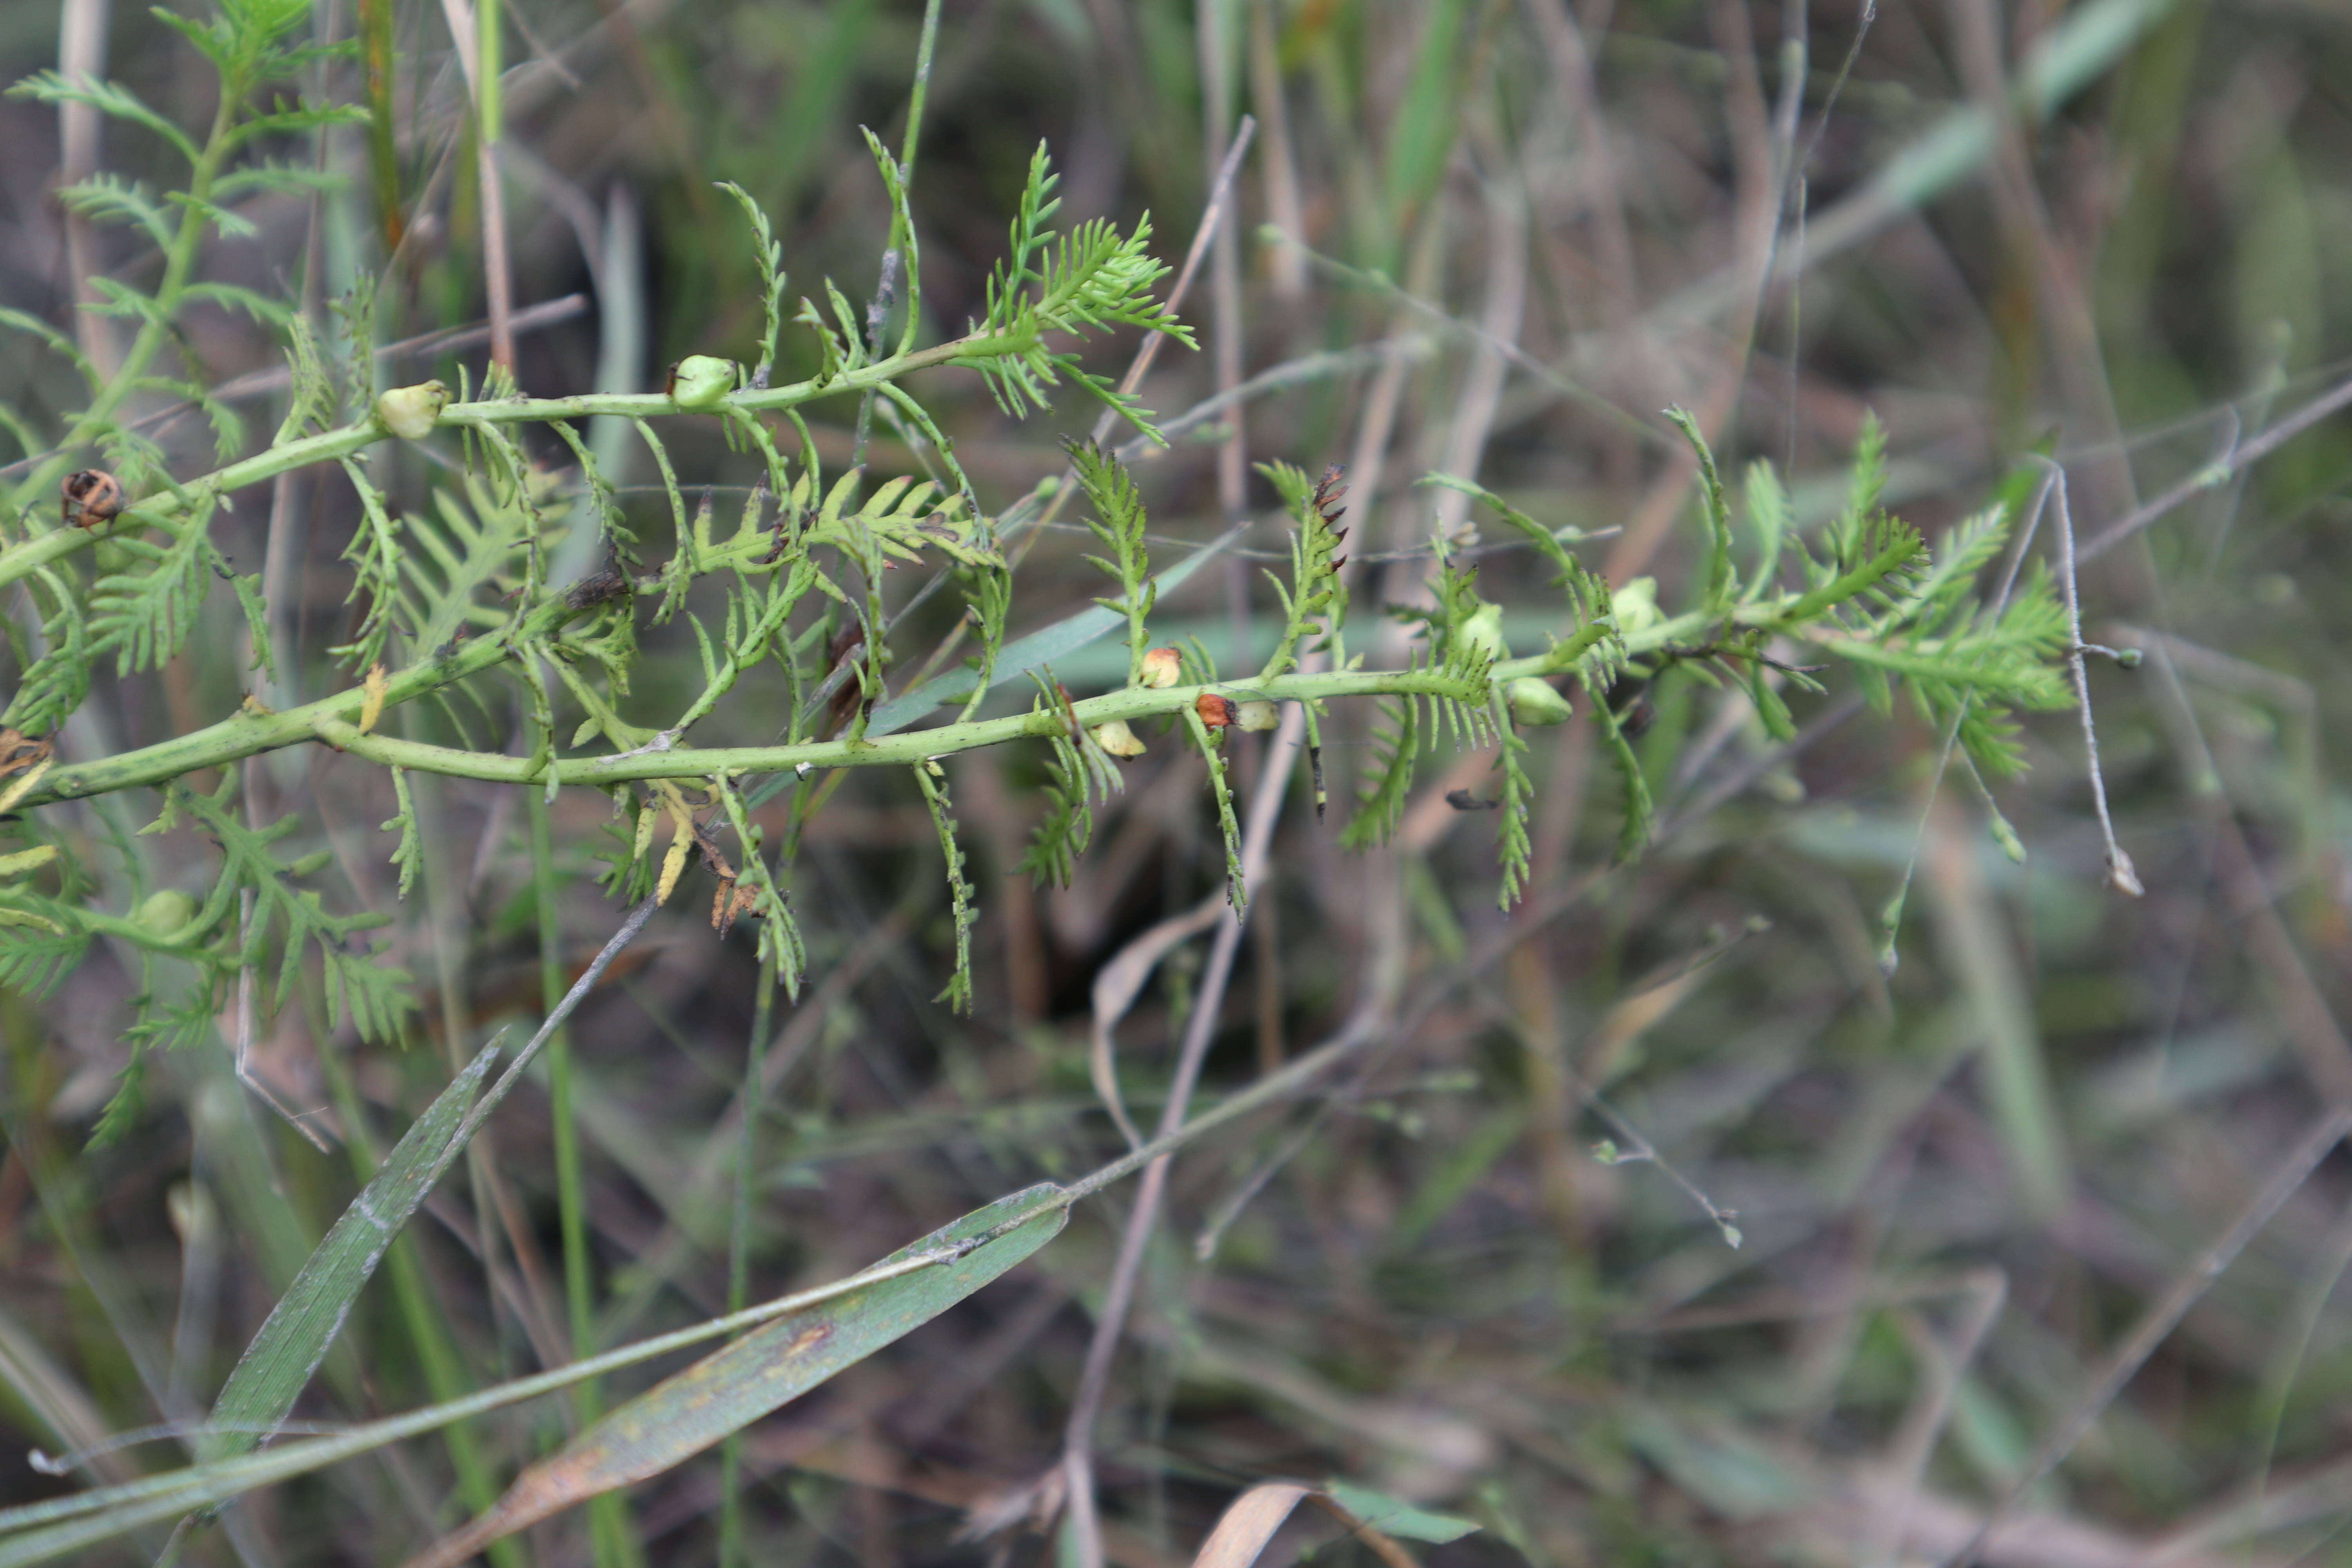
608,1523
738,1242
897,254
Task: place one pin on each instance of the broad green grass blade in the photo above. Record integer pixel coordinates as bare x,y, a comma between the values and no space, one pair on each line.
1035,651
276,1366
725,1392
1394,1516
877,1313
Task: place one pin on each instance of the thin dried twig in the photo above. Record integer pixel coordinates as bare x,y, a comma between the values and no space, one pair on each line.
1094,1382
498,275
2161,1318
82,58
2120,873
2220,471
1986,1291
1225,262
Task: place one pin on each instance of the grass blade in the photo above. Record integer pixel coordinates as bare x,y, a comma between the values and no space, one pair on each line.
277,1364
43,1531
780,1360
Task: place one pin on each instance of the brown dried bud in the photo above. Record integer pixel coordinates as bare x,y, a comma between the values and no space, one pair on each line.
1162,666
1329,491
1215,711
91,496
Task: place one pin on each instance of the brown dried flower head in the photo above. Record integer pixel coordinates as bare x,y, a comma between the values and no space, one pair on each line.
91,496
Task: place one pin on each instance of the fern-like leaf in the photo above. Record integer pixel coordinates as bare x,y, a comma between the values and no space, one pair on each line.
1077,774
1722,574
1396,753
1118,523
144,619
932,780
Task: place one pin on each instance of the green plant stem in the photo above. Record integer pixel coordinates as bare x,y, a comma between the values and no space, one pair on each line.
908,147
166,510
333,719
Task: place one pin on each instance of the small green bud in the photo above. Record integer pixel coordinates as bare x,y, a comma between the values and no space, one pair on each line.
1484,631
1535,703
2005,834
701,381
311,864
410,412
164,913
1636,605
1254,716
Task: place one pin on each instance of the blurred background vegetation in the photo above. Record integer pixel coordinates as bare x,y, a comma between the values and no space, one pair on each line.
1488,236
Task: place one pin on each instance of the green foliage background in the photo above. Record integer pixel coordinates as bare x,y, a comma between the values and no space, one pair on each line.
1774,961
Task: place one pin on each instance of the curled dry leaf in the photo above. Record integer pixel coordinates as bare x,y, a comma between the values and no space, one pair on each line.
19,752
733,901
92,496
372,702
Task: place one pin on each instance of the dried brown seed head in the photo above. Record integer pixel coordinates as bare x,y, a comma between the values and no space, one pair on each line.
91,496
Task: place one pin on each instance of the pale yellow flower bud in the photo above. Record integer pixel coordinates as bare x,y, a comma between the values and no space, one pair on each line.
1162,666
410,412
1484,631
1118,739
1255,716
1535,702
164,913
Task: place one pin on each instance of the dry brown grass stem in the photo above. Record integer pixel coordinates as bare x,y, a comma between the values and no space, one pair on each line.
497,271
2159,1319
1093,1383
